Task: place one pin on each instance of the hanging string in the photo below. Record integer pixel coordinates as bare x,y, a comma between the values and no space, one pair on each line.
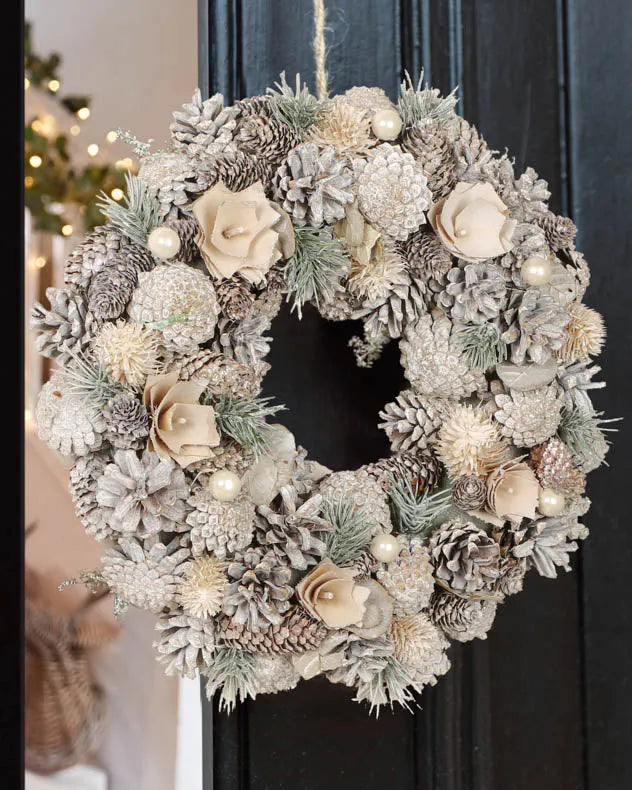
319,49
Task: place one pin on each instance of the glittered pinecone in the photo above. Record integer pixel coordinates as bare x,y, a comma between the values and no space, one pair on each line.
296,633
179,301
65,328
420,468
392,190
469,492
185,645
471,154
187,230
411,421
409,579
314,186
429,142
203,127
127,421
427,257
475,293
462,619
559,231
528,197
84,475
465,558
112,287
536,326
219,527
259,132
554,467
235,299
532,417
258,592
220,374
360,490
391,314
91,254
235,169
420,646
274,673
172,178
245,340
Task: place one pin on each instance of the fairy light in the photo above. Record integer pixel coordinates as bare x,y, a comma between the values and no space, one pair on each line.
124,164
39,262
53,86
28,181
67,230
111,137
93,149
35,160
117,194
37,126
44,125
75,130
27,83
83,113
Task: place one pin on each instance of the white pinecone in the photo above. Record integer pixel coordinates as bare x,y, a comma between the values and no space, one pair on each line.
409,579
128,422
411,421
89,257
389,315
362,491
219,527
185,645
84,475
172,178
532,417
392,191
202,128
462,619
421,647
547,543
220,374
246,341
66,327
274,673
536,326
475,293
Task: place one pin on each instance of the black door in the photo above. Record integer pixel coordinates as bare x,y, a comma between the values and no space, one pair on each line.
545,701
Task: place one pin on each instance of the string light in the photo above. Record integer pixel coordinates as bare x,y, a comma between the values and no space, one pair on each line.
35,160
124,164
27,83
83,113
111,137
44,125
74,130
28,181
66,230
117,194
93,149
53,86
39,262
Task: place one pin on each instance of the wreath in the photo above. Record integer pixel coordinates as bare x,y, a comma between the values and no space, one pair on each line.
263,566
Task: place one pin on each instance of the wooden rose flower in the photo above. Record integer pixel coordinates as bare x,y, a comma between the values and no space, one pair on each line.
473,222
331,594
242,232
181,428
512,492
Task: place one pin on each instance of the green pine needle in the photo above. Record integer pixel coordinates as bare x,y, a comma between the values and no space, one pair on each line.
482,346
243,420
316,268
419,103
298,108
232,671
584,433
393,683
137,215
415,513
350,534
89,381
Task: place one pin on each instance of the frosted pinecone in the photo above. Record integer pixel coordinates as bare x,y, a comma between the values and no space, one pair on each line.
528,197
511,579
532,417
428,258
258,131
258,592
475,293
84,474
469,492
65,328
219,527
411,421
471,154
528,241
369,100
547,543
420,468
409,579
228,455
91,254
127,421
314,186
296,633
147,573
421,647
205,127
180,302
339,307
465,558
142,496
433,362
390,315
462,619
185,645
273,674
235,169
246,341
554,467
429,141
68,423
188,231
112,286
172,178
560,231
235,299
536,326
392,191
294,531
220,374
360,490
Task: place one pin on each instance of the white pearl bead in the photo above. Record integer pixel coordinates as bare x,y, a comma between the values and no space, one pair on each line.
163,242
224,485
384,547
386,124
550,502
536,271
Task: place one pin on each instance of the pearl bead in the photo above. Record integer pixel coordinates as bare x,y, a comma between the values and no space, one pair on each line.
163,242
384,547
550,503
386,124
224,485
536,271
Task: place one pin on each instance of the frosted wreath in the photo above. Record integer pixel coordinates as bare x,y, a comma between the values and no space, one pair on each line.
262,566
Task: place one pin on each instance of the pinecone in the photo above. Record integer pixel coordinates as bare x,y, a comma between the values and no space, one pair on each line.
259,132
408,579
360,490
201,127
314,186
296,633
187,230
66,328
511,579
172,178
411,421
471,154
427,257
392,191
84,475
433,362
179,301
235,169
420,646
90,256
219,527
391,314
421,468
245,341
429,142
294,534
127,421
469,492
185,645
235,299
475,293
258,592
532,417
221,375
464,556
536,326
146,574
462,619
273,674
554,467
560,232
112,287
368,100
528,198
547,543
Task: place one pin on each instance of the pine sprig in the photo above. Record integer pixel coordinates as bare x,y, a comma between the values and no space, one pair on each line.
95,583
137,215
316,268
298,108
139,147
420,104
89,381
243,420
393,683
583,431
232,671
415,513
482,346
350,534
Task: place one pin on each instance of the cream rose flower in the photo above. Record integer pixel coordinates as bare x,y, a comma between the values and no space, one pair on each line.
181,428
473,222
242,232
331,594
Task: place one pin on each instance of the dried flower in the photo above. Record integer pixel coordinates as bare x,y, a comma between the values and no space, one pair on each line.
201,591
345,128
470,442
585,334
127,351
